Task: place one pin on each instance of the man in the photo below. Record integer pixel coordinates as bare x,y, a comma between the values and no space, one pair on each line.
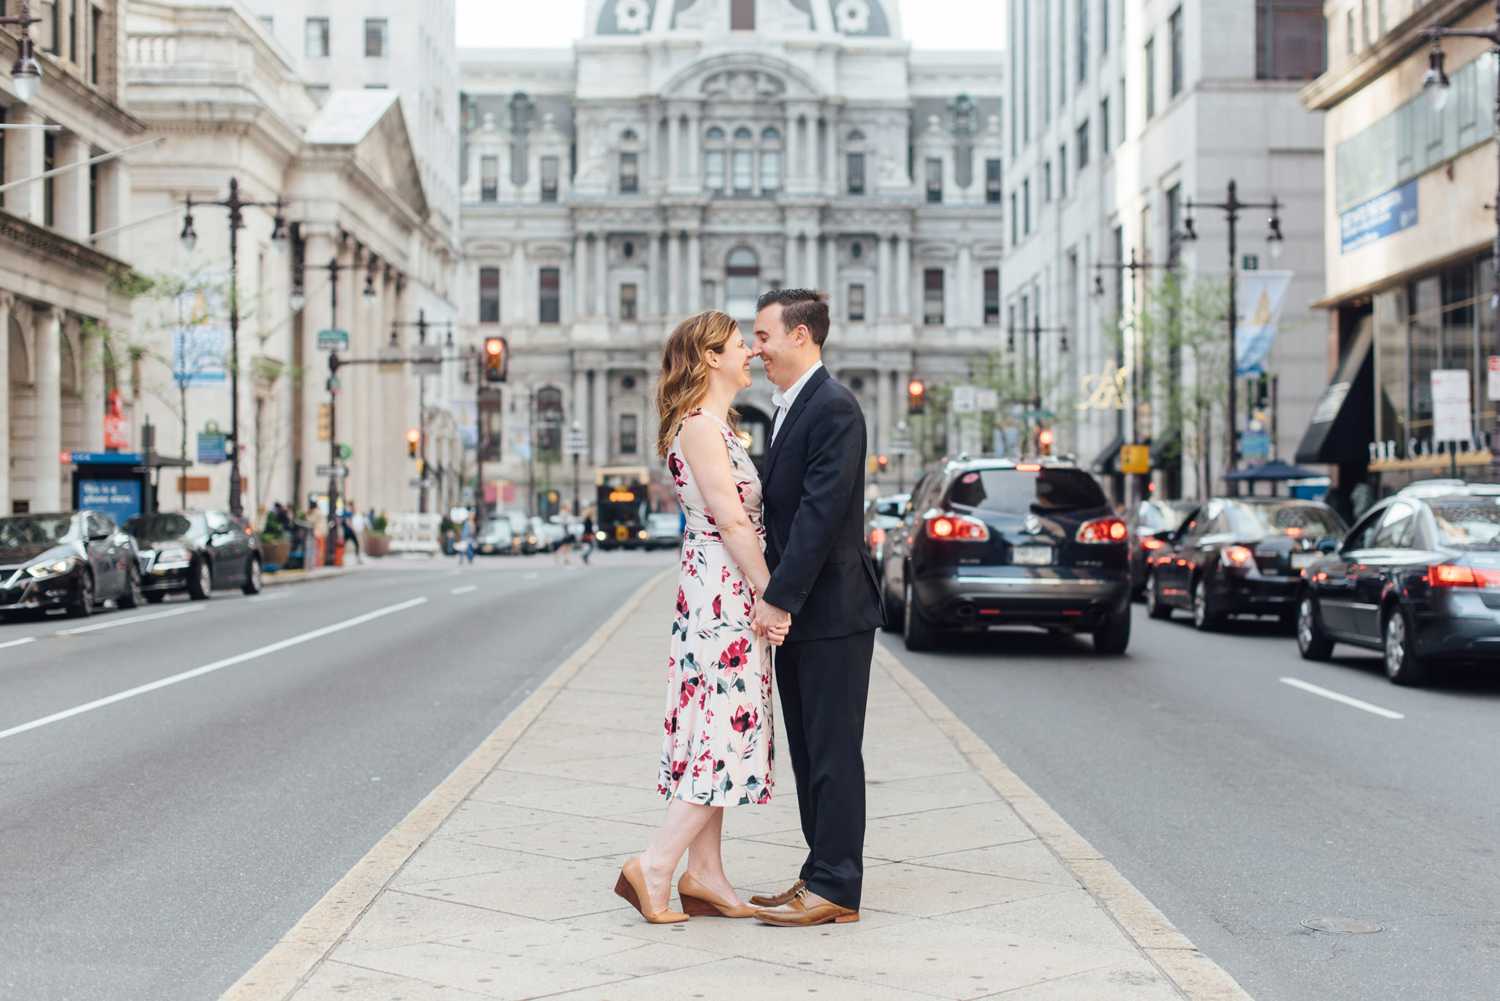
822,577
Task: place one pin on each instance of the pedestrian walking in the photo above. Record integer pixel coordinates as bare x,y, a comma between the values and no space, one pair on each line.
466,542
588,537
351,534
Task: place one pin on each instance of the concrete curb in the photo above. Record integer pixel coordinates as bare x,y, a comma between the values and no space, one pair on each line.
281,577
282,970
1196,976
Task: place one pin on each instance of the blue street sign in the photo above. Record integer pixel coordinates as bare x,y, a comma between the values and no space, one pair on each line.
1379,217
112,458
213,447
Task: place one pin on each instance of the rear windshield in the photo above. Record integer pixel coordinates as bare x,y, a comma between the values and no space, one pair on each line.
1473,522
1015,491
162,527
1156,516
26,530
1310,520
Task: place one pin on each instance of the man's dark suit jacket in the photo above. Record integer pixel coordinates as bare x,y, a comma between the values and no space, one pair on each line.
814,487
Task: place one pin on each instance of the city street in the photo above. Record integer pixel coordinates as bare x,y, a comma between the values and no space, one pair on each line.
157,846
1250,810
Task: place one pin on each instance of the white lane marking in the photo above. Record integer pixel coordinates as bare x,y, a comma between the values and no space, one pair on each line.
1347,700
112,623
19,642
268,597
464,590
217,665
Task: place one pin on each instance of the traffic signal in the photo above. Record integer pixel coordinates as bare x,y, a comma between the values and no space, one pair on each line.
916,397
882,462
1044,441
496,359
413,439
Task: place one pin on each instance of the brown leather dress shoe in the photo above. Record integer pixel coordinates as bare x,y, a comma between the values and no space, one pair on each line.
806,909
761,900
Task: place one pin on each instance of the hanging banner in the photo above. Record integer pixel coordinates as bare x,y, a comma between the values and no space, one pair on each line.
200,341
1259,306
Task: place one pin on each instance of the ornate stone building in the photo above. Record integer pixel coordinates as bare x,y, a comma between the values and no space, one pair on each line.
687,154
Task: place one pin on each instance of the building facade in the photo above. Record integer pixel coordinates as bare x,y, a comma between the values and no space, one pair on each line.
690,155
1409,221
60,304
1120,115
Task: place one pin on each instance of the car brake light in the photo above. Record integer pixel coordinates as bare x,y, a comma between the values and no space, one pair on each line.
1103,530
1449,575
957,528
1152,542
1239,556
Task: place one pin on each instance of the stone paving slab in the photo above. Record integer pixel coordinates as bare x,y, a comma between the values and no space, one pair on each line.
974,889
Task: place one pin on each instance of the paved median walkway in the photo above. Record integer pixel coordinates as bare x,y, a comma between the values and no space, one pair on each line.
499,884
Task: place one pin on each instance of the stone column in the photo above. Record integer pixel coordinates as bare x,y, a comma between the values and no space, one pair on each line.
903,276
93,390
46,332
601,275
599,411
963,294
792,157
883,421
515,304
674,276
580,275
674,148
883,277
830,147
25,156
831,268
579,412
6,302
694,273
649,304
692,175
790,277
71,188
114,204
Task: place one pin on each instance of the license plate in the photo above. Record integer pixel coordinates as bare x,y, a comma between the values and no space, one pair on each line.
1031,556
1300,560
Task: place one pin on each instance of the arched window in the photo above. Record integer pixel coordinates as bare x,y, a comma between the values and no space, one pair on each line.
549,415
713,159
741,282
770,160
854,163
744,161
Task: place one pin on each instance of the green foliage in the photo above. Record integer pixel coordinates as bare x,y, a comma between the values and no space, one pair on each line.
378,524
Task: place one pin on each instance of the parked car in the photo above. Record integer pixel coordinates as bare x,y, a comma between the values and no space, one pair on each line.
993,542
1418,578
1240,556
662,531
549,535
497,538
1154,520
526,540
196,552
72,560
882,516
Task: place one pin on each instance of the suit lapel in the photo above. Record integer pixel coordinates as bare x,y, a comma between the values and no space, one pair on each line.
803,401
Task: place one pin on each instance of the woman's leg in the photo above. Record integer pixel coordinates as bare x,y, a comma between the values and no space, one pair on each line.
685,821
706,857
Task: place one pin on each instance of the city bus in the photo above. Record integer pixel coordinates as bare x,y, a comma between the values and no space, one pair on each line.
624,499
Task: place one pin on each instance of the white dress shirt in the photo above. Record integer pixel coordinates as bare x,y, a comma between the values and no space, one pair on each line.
783,401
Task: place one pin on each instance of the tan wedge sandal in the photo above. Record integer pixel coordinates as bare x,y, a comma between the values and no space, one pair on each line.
632,886
701,902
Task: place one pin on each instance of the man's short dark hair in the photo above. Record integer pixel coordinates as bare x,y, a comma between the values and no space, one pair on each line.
800,307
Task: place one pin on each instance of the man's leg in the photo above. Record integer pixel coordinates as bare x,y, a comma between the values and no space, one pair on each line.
834,681
789,670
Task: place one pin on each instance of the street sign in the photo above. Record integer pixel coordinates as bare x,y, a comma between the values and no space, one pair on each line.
1450,405
333,340
212,447
345,452
576,442
1135,459
964,400
986,400
1255,444
325,471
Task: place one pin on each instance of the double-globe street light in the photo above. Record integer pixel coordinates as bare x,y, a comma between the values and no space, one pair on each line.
25,72
1231,206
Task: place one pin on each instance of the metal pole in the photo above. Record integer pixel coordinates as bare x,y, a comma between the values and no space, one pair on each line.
182,452
577,498
479,432
1233,446
422,414
333,413
530,450
236,504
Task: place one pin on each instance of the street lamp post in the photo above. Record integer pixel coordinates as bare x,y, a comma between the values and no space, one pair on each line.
577,500
423,325
1036,330
1231,207
235,206
25,72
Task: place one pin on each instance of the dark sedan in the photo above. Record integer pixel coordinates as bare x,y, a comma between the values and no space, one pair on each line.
1154,520
990,543
72,560
883,516
1417,578
196,552
1239,556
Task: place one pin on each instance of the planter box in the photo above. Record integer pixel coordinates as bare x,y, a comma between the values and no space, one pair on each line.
275,554
377,545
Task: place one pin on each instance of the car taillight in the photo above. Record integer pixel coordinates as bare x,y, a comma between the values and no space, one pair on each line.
1238,556
1103,530
957,528
877,537
1450,575
1151,543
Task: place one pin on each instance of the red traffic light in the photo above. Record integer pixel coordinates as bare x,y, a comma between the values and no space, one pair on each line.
413,439
916,396
496,359
1044,441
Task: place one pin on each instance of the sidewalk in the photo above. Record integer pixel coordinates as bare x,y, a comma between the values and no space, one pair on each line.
499,884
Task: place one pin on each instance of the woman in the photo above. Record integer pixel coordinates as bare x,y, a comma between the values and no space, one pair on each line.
717,747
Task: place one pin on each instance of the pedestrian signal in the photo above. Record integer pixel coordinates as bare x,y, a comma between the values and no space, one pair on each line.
413,439
1044,441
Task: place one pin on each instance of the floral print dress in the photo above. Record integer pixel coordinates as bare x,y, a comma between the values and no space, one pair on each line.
717,745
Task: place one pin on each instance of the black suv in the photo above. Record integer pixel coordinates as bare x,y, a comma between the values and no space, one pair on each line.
993,542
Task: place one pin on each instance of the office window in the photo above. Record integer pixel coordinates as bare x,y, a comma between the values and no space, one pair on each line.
51,17
741,15
629,434
855,166
549,295
96,28
315,38
1149,82
1081,34
1026,206
489,178
49,186
1062,169
1046,182
1103,26
743,164
549,178
934,181
1174,222
1351,35
713,170
629,296
992,182
1015,221
1289,39
856,302
991,297
1174,27
489,295
1082,139
630,173
375,37
932,297
741,282
1104,126
73,30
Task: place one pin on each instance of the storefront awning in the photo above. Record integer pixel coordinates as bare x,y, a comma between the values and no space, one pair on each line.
1105,463
1343,424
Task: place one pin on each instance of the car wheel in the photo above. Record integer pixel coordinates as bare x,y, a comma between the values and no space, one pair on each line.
919,635
201,580
155,597
1206,616
1312,642
133,596
1114,635
83,606
1403,664
253,581
1156,605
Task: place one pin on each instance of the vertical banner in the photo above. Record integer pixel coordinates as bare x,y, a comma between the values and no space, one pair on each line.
1259,307
1452,412
200,341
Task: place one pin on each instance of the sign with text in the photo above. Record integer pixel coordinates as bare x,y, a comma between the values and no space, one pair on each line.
213,447
120,499
1451,407
1378,218
1259,306
333,340
1135,459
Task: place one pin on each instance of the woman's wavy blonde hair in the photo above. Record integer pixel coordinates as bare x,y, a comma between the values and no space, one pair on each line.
684,371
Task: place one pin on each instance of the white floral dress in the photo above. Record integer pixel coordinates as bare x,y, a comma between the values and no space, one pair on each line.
717,746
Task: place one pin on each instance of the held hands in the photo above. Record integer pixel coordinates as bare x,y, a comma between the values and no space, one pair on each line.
771,622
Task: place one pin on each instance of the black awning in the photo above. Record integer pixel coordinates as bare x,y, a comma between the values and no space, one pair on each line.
1343,424
1105,462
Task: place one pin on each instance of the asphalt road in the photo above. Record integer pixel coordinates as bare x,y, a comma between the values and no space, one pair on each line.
156,846
1248,809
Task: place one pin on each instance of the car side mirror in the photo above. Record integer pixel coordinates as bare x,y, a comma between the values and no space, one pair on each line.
1328,544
